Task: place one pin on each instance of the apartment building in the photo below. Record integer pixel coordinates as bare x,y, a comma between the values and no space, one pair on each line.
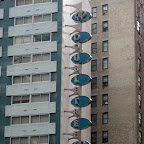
117,71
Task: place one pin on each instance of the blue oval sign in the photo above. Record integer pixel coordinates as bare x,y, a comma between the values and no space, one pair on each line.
81,101
82,16
81,58
80,123
81,37
81,142
81,79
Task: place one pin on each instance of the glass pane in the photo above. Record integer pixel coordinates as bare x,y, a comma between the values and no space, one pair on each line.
45,57
24,140
46,37
16,99
14,140
16,120
36,78
25,99
27,20
27,2
24,119
44,97
37,1
36,98
27,39
47,17
19,2
38,18
44,118
25,78
26,58
44,77
36,58
37,38
17,79
34,140
35,119
17,59
19,21
18,40
46,0
43,139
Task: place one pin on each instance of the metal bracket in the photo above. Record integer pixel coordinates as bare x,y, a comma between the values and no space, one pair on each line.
75,68
75,112
78,28
76,91
76,135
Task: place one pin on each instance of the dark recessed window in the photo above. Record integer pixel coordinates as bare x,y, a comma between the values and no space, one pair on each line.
139,64
94,83
94,28
105,26
105,63
140,137
93,138
105,81
140,119
139,82
105,99
93,65
105,46
105,118
94,48
94,101
105,136
94,12
139,100
105,9
94,119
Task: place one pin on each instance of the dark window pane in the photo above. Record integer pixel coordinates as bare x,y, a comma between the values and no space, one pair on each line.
105,99
94,48
94,83
94,119
94,101
93,65
93,138
105,137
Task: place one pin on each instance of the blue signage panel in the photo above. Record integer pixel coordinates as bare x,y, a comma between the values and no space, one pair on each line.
81,101
82,16
81,58
80,123
81,79
81,142
81,37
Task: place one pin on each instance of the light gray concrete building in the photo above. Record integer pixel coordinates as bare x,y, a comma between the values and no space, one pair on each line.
117,71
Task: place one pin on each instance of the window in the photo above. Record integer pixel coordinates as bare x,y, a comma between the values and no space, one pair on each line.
105,137
105,46
139,64
27,2
138,27
20,120
31,78
39,118
94,28
94,48
105,63
94,12
39,140
94,101
23,20
19,140
94,119
105,26
22,59
105,9
22,39
93,138
94,83
140,137
105,99
93,65
42,37
105,81
140,119
139,100
105,118
30,98
41,57
139,82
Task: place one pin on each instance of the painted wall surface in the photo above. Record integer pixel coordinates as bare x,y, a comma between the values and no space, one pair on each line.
66,79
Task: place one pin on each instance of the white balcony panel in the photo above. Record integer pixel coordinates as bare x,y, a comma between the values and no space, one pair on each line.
30,129
31,88
32,48
30,109
31,68
36,9
1,32
1,13
0,51
31,29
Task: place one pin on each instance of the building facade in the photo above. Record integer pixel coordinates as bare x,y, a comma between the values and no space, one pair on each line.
30,60
117,71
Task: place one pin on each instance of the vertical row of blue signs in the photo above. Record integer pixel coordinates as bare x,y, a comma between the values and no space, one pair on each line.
81,79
